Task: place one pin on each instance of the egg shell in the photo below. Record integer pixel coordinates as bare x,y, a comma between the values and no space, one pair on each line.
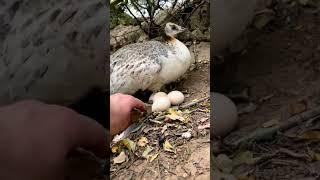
161,104
156,95
176,97
225,116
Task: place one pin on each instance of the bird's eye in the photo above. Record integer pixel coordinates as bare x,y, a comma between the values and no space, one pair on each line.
174,28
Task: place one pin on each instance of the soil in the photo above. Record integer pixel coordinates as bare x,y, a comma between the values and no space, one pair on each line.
192,157
281,64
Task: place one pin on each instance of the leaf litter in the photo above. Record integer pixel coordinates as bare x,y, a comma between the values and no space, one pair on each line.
157,133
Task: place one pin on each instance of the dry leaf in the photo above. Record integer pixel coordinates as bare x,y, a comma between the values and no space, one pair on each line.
164,128
314,155
263,19
168,147
120,159
206,126
150,129
153,157
203,119
129,144
142,141
175,115
147,151
311,135
298,108
270,123
115,149
245,157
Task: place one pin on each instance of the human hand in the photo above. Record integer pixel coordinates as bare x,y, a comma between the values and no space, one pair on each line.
121,106
36,139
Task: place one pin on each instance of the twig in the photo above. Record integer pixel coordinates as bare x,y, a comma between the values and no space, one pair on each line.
266,133
284,162
184,106
202,3
310,121
293,154
155,121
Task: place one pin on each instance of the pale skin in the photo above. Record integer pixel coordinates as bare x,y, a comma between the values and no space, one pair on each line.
36,138
121,106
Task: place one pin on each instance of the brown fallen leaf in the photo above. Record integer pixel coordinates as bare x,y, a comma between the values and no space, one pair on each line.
263,19
311,135
270,123
314,156
164,128
298,108
115,149
245,157
131,145
142,141
146,152
122,157
206,126
153,157
168,147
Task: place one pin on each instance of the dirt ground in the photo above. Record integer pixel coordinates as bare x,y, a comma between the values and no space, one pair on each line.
280,68
191,159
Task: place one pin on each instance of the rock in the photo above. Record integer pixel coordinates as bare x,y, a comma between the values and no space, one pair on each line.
53,51
122,35
197,34
186,36
230,20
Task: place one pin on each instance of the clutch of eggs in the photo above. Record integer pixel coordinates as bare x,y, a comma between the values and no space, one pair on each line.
162,101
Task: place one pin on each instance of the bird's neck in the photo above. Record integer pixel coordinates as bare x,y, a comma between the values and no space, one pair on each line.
168,38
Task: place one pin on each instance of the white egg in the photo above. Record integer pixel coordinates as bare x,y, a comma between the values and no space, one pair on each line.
156,95
225,116
176,97
161,104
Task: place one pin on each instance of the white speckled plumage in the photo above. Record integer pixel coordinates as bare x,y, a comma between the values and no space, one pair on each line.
149,65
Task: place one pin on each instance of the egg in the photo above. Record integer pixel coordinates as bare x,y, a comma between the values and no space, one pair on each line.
225,116
161,103
176,97
156,95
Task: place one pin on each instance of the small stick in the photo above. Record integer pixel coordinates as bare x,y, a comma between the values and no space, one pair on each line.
184,106
265,133
155,121
293,154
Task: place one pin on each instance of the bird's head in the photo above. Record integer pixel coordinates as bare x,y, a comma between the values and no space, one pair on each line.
172,29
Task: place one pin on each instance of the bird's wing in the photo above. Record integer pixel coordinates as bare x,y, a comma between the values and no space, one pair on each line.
136,67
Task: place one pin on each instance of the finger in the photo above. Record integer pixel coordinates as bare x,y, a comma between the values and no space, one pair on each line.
88,134
136,103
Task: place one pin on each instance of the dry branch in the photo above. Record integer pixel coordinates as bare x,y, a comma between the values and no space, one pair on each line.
268,133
